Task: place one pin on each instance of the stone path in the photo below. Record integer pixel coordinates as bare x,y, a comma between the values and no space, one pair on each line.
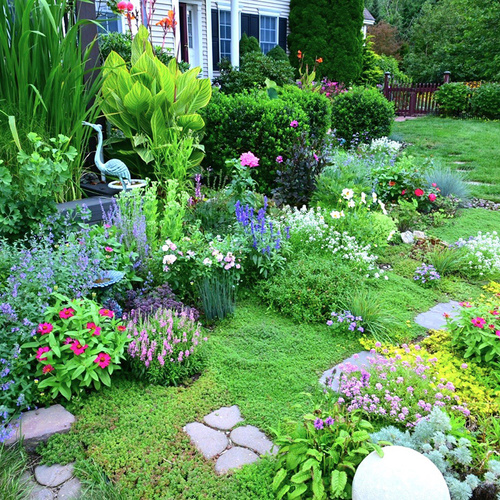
232,447
53,482
435,317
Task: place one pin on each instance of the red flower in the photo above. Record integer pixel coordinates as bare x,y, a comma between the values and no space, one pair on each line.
168,22
130,6
103,359
121,5
106,312
47,369
42,350
392,183
121,328
299,54
419,192
44,328
78,348
319,60
403,192
432,197
66,313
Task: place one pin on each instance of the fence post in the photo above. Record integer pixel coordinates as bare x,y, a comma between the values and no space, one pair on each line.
446,76
386,84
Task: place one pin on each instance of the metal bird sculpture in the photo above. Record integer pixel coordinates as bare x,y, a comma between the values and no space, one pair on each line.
112,167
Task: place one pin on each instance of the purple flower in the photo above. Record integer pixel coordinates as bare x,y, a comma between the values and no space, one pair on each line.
329,421
294,124
318,424
279,159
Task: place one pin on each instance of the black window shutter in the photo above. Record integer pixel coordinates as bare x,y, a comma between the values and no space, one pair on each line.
250,25
282,33
215,39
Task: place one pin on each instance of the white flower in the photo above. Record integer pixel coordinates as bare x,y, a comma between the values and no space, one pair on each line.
363,198
335,214
351,204
374,196
347,193
207,262
391,234
169,259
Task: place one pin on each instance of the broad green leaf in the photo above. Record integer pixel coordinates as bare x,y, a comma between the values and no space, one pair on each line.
298,491
192,121
315,453
137,101
105,379
141,45
317,485
283,492
278,478
78,371
338,483
65,391
301,477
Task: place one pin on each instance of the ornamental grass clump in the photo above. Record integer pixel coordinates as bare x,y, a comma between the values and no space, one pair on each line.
165,348
397,390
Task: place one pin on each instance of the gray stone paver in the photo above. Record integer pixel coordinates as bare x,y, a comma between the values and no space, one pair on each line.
70,490
54,475
253,438
234,458
434,318
40,493
224,418
208,441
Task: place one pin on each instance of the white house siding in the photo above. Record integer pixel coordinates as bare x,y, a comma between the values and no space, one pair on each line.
249,7
161,12
204,40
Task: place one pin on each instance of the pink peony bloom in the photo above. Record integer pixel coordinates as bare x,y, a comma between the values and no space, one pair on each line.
294,124
47,369
432,197
107,312
103,360
66,313
78,348
279,159
249,160
44,328
40,352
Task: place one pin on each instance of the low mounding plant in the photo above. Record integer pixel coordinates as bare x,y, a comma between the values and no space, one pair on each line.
450,182
453,98
79,344
485,101
165,346
350,115
445,260
481,254
319,455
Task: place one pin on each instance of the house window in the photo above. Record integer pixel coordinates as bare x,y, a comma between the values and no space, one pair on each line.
225,34
268,33
108,21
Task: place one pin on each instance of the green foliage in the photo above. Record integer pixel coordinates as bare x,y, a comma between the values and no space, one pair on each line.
78,345
453,98
308,288
218,296
278,54
391,64
337,37
319,455
365,112
43,65
485,101
13,463
61,449
450,182
371,73
95,484
255,68
445,260
28,192
239,123
248,44
156,107
174,210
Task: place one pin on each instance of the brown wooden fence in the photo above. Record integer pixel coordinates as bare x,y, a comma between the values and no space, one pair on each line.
412,99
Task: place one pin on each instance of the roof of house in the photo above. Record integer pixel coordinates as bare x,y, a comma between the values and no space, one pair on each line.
368,16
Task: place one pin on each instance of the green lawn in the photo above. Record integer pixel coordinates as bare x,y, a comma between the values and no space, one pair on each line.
470,145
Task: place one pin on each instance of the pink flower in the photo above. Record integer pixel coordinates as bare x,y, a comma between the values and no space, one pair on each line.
464,366
249,160
108,249
78,348
465,304
68,340
316,157
121,5
419,192
103,359
107,312
40,351
434,184
66,313
432,197
44,328
294,124
47,369
121,328
479,322
96,330
130,6
279,159
403,192
497,333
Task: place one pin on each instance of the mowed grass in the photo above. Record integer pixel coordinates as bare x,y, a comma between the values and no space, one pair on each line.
469,145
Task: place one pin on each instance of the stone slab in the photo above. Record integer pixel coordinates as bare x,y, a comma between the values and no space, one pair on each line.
54,475
41,493
360,360
434,318
70,490
37,426
234,458
208,441
251,437
224,418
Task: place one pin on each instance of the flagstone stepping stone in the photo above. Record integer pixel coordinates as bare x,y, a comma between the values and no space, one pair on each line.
208,441
54,475
224,418
37,426
40,493
360,360
251,437
70,490
234,458
434,318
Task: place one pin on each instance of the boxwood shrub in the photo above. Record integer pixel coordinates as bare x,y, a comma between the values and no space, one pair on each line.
453,98
485,101
362,111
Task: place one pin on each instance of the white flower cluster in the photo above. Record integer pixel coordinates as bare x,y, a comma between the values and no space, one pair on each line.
384,145
482,252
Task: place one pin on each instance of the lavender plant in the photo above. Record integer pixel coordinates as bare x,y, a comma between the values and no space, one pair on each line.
427,275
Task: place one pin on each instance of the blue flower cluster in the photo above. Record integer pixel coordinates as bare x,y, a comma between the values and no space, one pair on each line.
352,322
426,273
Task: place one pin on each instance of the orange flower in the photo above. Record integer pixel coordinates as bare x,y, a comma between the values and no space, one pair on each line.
392,183
299,54
319,60
168,22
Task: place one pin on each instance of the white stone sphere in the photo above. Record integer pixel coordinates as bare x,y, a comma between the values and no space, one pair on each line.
401,474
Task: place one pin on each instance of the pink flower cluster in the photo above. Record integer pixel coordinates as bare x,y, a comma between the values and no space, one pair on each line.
249,160
395,389
123,6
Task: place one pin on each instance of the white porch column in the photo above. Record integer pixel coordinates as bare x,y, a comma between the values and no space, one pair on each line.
235,32
177,40
208,5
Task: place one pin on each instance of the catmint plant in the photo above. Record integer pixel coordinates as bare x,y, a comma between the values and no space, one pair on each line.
427,275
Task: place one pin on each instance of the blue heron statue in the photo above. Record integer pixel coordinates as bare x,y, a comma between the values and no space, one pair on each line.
112,167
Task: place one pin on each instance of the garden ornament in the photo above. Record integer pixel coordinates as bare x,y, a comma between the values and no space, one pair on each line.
112,167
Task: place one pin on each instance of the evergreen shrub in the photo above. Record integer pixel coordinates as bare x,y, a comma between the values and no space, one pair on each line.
485,101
